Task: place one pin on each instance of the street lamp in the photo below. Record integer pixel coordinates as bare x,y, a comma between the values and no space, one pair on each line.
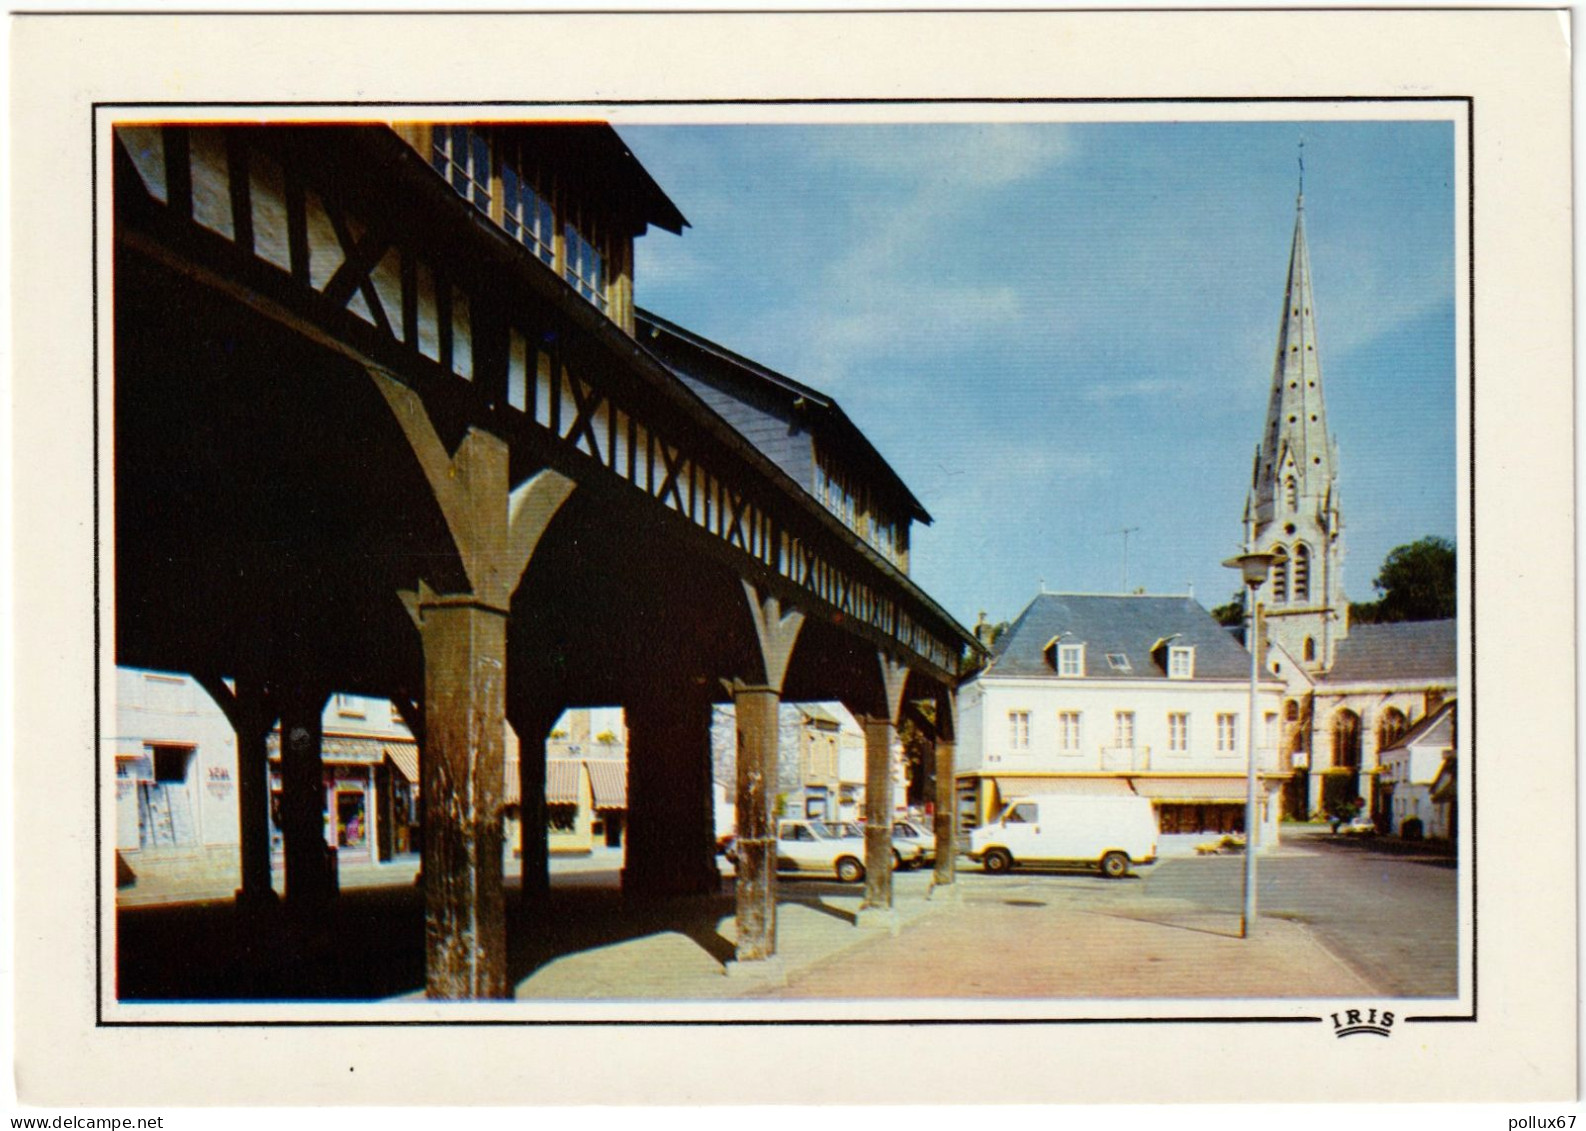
1253,568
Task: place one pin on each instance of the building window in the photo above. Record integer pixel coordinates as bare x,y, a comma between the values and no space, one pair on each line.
1290,489
526,214
1270,734
350,706
1071,659
1018,730
1180,663
1118,662
1310,649
1302,572
1068,731
586,267
462,156
1228,728
1178,732
1123,730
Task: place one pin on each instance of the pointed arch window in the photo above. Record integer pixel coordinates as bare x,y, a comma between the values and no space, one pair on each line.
1280,576
1302,572
1291,493
1310,649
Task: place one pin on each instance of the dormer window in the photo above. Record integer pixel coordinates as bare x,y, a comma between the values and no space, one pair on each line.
1181,662
1070,659
1118,662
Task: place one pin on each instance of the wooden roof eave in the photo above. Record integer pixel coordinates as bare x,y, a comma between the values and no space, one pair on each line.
460,233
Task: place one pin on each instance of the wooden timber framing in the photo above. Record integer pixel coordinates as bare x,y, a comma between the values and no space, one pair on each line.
345,234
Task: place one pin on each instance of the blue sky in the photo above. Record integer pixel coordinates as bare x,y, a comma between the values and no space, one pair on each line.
1055,331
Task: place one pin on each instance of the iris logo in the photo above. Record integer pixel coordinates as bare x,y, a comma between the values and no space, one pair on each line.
1353,1022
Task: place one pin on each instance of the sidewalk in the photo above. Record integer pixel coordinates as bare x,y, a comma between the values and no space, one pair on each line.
985,941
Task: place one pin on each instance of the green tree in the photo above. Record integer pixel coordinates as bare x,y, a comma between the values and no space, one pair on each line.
1416,582
1233,613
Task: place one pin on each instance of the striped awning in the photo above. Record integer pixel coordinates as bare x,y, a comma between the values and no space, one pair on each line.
405,757
609,780
561,780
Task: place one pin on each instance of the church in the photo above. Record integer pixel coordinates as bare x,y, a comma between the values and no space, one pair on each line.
1350,693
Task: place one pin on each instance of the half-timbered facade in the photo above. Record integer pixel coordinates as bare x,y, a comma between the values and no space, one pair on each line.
423,456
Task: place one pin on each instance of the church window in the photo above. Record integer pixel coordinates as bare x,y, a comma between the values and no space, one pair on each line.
1310,649
1391,727
1280,578
1302,572
1290,492
1346,740
1291,711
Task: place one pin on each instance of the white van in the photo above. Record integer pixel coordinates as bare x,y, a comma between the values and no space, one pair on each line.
1108,833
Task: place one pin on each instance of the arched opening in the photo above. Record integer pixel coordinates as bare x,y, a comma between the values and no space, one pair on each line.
1290,493
1310,649
1291,711
1302,572
1280,576
1346,740
1391,727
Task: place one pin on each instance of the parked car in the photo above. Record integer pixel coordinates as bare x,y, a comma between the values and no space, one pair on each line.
917,838
1360,826
806,846
1107,833
908,851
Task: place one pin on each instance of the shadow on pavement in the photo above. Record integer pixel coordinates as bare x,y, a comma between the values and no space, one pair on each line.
368,944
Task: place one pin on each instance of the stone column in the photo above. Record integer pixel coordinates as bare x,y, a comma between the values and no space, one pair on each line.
757,710
946,819
671,844
255,718
879,734
532,717
308,879
462,768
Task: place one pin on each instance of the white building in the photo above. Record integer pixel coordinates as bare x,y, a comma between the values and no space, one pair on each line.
1411,770
1120,694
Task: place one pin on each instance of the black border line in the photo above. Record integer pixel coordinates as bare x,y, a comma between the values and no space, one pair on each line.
1469,630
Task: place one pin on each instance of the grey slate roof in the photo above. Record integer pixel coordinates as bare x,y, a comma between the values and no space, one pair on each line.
1397,653
1129,625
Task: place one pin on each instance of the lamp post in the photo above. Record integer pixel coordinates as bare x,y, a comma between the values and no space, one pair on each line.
1253,568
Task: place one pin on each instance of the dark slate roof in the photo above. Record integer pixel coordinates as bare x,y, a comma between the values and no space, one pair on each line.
1130,625
1397,653
1421,729
767,408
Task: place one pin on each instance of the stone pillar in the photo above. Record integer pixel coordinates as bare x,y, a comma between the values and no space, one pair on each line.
532,717
757,710
671,842
878,814
255,718
308,876
946,816
462,766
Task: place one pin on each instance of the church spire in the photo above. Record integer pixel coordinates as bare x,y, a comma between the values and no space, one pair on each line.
1296,458
1292,509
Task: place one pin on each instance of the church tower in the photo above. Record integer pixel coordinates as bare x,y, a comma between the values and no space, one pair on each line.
1292,510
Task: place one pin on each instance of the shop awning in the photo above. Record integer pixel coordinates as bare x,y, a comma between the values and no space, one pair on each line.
561,780
1197,791
406,759
609,780
1073,787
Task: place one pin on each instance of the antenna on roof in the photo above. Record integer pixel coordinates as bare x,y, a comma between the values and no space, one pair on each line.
1126,531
